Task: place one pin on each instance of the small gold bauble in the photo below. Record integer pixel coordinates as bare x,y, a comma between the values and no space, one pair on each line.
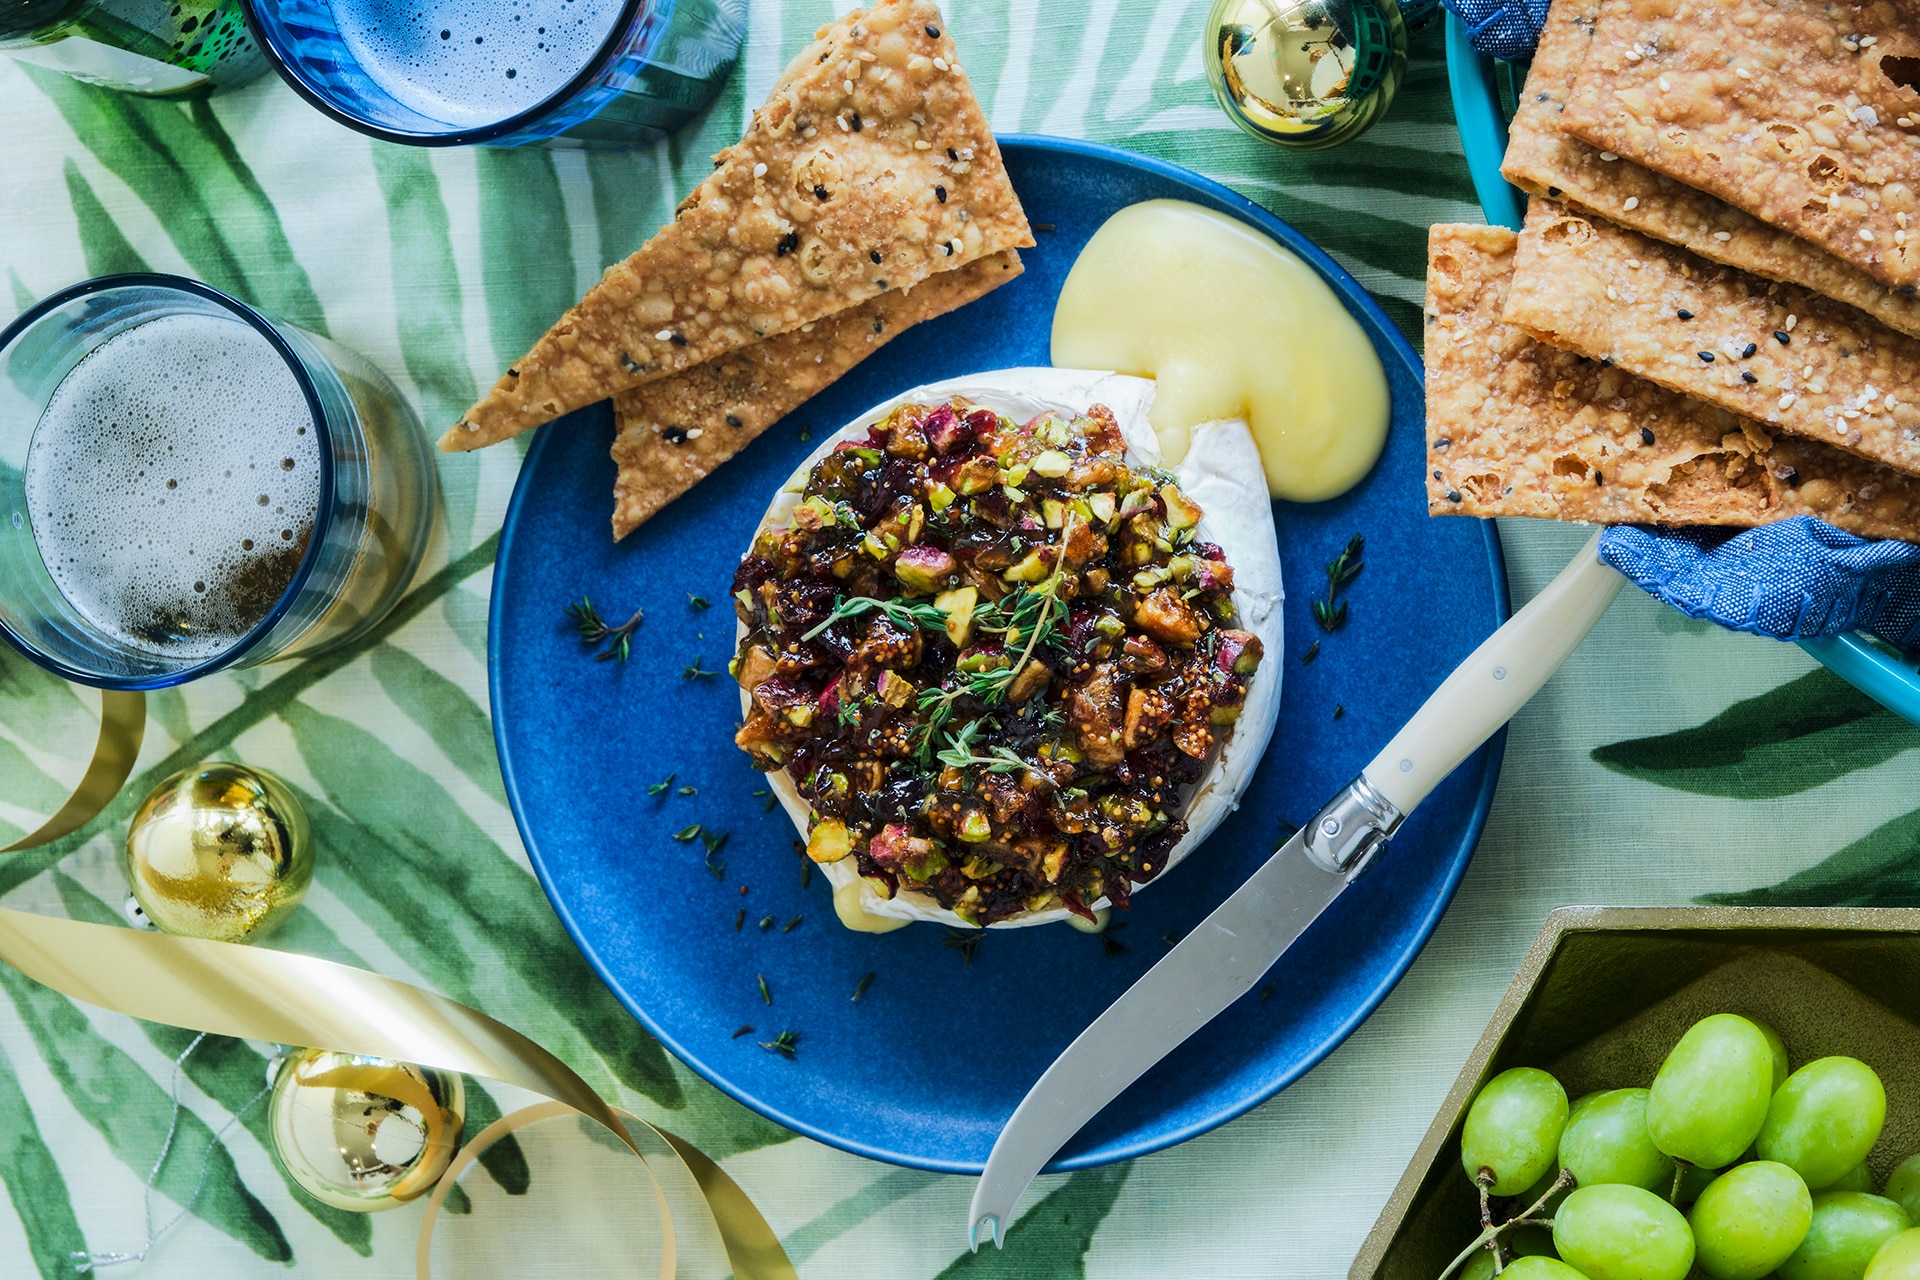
221,851
364,1134
1305,73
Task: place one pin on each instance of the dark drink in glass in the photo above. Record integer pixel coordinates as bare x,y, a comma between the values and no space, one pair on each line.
151,47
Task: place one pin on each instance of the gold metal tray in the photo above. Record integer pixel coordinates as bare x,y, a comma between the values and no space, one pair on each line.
1605,992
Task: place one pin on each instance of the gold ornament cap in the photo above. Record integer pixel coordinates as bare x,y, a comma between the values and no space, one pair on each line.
1305,74
364,1134
221,851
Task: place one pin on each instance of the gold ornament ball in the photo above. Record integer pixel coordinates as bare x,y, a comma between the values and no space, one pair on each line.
1305,74
364,1134
221,851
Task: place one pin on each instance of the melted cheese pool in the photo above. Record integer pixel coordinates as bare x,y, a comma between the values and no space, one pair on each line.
1230,325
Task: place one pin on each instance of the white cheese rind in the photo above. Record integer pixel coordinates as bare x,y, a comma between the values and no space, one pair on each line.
1221,472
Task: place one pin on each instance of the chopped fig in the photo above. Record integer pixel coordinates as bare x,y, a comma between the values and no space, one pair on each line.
1080,543
1168,618
1033,677
923,570
1240,653
1148,712
829,700
1212,575
758,667
1143,655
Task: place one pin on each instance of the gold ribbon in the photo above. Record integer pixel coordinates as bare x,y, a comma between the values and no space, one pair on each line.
228,989
123,723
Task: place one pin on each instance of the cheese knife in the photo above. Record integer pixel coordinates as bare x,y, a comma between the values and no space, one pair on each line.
1232,949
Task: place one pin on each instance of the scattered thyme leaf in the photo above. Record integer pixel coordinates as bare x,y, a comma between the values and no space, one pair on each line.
687,833
594,630
783,1044
714,841
966,942
699,602
766,992
1110,944
1344,568
1171,937
806,873
694,671
860,988
1267,991
1313,651
766,923
791,925
659,788
739,918
688,791
744,1031
1338,710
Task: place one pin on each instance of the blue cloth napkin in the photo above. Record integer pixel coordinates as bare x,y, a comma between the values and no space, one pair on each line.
1506,29
1793,580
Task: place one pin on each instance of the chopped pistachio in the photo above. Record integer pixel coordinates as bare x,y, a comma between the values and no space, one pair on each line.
829,841
1053,464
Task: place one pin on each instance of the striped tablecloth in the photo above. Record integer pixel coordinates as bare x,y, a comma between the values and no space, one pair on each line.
1668,762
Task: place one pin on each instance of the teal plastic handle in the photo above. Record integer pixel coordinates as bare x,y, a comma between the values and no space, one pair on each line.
1483,139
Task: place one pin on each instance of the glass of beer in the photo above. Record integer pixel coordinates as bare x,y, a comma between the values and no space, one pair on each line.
567,73
187,485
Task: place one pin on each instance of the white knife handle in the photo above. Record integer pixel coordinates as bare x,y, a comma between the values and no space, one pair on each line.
1495,681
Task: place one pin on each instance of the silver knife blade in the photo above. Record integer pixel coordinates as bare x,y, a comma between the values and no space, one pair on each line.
1214,965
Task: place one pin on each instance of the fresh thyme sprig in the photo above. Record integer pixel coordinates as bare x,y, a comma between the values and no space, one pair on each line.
694,671
1344,569
902,613
783,1044
960,754
593,630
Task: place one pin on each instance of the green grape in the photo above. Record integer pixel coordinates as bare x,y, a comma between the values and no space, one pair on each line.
1537,1268
1903,1186
1897,1259
1848,1227
1521,1242
1750,1220
1824,1120
1513,1129
1710,1097
1607,1141
1858,1178
1622,1233
1778,1047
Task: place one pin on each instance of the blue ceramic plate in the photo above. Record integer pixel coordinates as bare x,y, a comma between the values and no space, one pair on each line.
1474,80
930,1062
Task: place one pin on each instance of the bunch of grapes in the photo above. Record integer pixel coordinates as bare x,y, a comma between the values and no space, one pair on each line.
1727,1165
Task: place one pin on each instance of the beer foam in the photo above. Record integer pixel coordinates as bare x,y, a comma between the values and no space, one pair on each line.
470,63
173,481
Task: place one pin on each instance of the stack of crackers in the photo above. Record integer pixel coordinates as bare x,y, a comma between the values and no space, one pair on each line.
868,195
1712,314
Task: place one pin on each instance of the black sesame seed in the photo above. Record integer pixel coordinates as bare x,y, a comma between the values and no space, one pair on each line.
1598,480
788,243
1646,436
949,248
733,421
1748,353
879,325
678,339
1707,356
1684,314
1792,478
1781,338
934,32
1453,495
940,194
1747,377
1442,443
1606,362
819,193
674,435
1554,193
875,255
1437,475
855,122
513,373
952,154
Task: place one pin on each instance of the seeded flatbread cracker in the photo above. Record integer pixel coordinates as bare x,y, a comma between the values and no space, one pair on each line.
1773,352
673,433
1788,109
1546,162
1518,428
869,168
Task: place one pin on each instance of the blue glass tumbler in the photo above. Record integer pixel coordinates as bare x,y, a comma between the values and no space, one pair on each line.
161,446
596,74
